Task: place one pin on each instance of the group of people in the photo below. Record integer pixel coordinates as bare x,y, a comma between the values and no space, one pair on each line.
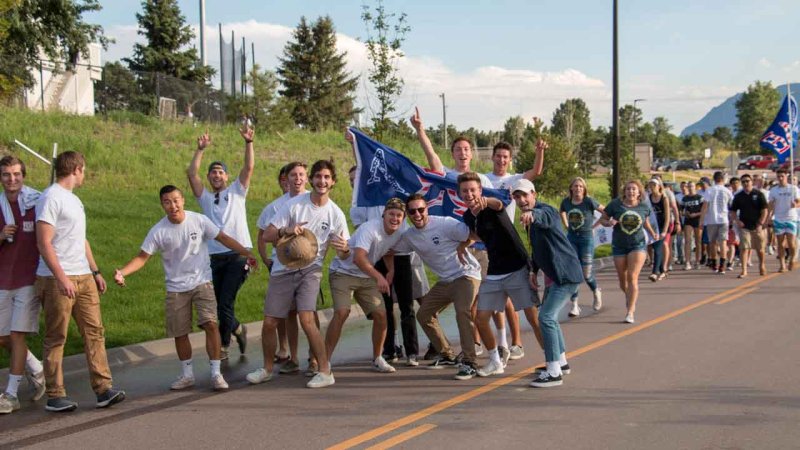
484,267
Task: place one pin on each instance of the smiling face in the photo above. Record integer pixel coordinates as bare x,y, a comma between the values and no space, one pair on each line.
418,213
632,193
322,182
525,200
172,203
217,178
470,192
462,155
12,178
392,220
296,180
501,159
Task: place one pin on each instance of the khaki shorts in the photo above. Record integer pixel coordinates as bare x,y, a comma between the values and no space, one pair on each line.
493,293
296,290
717,232
483,259
179,309
19,311
364,290
753,240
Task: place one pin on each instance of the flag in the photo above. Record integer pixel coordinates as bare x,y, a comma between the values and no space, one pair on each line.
781,136
384,173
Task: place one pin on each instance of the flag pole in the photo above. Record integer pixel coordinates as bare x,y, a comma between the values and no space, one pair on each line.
791,133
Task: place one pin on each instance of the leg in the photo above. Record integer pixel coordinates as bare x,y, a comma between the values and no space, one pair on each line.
315,340
19,352
463,292
621,265
228,279
90,325
391,329
269,341
557,295
283,340
293,335
635,261
532,314
57,309
213,340
435,301
183,347
485,329
513,324
335,329
379,322
658,257
403,289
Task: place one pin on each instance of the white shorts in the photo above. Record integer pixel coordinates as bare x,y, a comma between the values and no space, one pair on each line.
19,311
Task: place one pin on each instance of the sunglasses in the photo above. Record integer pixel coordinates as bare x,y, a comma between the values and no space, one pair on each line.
413,211
216,198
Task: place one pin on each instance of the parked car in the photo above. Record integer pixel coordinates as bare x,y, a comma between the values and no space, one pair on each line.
684,164
785,165
756,162
664,164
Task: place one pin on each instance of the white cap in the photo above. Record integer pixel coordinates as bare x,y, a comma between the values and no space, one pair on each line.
524,185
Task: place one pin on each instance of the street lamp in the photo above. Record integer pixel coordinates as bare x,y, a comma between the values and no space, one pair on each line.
635,101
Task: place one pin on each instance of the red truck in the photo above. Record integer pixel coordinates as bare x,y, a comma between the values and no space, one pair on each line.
757,162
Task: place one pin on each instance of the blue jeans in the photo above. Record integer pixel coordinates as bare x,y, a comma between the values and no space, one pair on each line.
658,257
555,298
228,275
584,247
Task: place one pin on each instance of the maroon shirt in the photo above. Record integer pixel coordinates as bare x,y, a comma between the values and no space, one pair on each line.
18,260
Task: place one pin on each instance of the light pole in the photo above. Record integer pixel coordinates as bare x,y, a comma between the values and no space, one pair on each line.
634,124
615,107
444,120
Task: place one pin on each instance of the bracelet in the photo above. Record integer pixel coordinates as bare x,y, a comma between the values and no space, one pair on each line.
248,142
96,272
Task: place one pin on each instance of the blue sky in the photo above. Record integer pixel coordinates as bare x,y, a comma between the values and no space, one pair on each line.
507,57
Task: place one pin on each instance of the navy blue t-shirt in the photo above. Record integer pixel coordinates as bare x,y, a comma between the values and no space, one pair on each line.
580,217
552,252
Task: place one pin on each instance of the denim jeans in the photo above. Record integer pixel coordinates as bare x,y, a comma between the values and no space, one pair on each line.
677,247
658,257
228,275
555,297
584,247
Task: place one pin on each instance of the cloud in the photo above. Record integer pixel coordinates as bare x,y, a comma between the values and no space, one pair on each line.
764,62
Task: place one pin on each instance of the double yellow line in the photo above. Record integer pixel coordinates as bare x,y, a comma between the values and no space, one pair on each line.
721,298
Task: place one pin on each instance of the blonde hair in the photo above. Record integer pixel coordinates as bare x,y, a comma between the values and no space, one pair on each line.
638,185
582,181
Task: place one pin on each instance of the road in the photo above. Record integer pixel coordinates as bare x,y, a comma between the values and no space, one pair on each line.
710,363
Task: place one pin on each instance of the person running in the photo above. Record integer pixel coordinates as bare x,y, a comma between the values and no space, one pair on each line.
659,201
69,283
784,199
357,276
577,216
509,266
19,308
691,210
715,212
628,215
555,256
182,238
442,244
752,209
312,216
225,206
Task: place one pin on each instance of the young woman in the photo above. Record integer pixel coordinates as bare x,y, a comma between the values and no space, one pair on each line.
659,201
691,205
628,215
577,215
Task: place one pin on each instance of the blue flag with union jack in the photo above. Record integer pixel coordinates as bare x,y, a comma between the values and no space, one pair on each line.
384,173
781,136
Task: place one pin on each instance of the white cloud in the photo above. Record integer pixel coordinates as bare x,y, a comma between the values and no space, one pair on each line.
764,62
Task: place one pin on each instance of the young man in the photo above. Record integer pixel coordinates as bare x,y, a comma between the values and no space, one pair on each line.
509,266
68,283
441,242
19,308
182,238
295,181
225,206
356,276
752,207
554,255
317,214
784,199
715,211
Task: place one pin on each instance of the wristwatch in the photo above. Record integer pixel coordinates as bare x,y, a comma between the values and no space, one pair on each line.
96,272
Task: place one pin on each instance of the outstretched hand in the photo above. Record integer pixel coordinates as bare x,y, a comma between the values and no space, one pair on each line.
348,136
541,145
119,278
247,132
203,141
416,120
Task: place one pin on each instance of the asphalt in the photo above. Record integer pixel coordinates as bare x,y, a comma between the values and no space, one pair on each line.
691,373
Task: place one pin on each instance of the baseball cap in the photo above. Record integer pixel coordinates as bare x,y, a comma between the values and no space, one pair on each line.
218,163
524,185
395,203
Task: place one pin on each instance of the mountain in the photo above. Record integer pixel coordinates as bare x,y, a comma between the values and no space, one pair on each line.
724,114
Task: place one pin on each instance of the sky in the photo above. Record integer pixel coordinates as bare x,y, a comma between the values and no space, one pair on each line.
494,60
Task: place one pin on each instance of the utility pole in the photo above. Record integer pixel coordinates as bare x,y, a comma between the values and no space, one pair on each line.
203,32
635,101
615,106
444,120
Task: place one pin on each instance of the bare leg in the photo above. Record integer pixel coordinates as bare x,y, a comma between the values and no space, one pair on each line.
532,314
315,340
269,341
183,347
292,335
283,340
19,352
485,329
334,331
213,341
513,323
379,326
635,263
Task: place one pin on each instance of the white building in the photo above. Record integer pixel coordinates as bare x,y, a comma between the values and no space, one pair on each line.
69,91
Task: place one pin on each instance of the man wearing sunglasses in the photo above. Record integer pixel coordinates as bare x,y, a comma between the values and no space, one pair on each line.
225,205
752,208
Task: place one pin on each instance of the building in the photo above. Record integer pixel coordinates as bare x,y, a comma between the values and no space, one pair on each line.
69,91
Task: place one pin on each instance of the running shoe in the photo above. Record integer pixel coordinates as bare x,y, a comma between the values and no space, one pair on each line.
380,365
110,397
60,404
182,382
688,266
492,368
629,318
478,349
431,354
10,403
321,380
465,372
653,277
597,304
258,376
37,384
545,380
565,370
312,369
290,367
516,352
575,311
412,361
218,383
241,338
441,362
504,355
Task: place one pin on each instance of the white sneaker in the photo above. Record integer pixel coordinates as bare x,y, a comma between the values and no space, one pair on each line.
597,304
629,318
218,383
380,365
493,368
412,361
504,354
575,311
516,352
320,380
258,376
478,349
37,383
8,403
688,266
182,383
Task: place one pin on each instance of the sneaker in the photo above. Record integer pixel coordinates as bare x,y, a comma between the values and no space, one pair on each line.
505,355
516,352
431,354
278,359
182,382
412,361
241,338
597,304
545,380
478,349
312,370
380,365
321,380
259,376
653,277
390,357
565,370
290,367
662,275
493,368
465,372
629,318
60,404
441,362
770,250
398,351
37,384
721,270
224,353
110,397
703,260
218,383
575,311
8,403
688,266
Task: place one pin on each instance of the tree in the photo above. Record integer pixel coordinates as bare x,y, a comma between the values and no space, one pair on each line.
724,135
559,160
571,122
55,28
383,43
755,110
665,144
118,90
164,27
514,131
315,79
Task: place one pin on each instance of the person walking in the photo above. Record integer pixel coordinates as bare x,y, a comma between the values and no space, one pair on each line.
752,209
691,210
659,201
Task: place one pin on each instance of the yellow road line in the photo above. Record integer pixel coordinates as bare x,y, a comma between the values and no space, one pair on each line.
402,437
441,406
734,297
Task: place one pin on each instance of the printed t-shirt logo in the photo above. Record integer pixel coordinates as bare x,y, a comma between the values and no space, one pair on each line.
193,235
575,219
325,226
435,240
630,222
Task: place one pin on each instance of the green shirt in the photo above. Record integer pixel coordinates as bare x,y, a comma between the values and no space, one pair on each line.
628,232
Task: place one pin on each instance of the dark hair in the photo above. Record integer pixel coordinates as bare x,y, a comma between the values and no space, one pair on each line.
718,176
68,162
502,145
352,169
11,160
395,203
459,139
323,164
468,176
293,165
283,172
733,179
747,176
416,196
782,170
167,189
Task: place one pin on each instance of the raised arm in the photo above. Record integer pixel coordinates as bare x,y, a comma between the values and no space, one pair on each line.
434,163
246,173
538,163
194,166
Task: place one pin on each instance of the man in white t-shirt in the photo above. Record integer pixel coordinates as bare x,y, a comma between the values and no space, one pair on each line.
298,287
68,282
715,211
288,329
225,206
182,238
784,199
356,276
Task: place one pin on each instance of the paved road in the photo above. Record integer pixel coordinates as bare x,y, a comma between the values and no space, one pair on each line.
710,363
